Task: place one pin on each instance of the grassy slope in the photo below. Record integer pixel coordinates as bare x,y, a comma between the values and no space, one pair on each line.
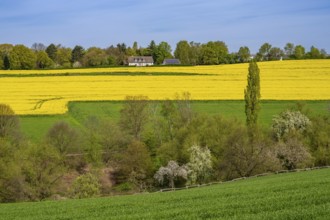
303,195
35,127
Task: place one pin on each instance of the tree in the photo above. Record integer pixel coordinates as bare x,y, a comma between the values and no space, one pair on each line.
182,52
289,50
136,164
63,57
314,53
95,57
264,51
134,115
299,52
22,57
200,164
62,137
275,53
195,53
163,52
51,50
252,98
5,50
77,54
241,158
171,174
289,122
293,154
42,168
43,61
38,47
9,123
214,52
244,54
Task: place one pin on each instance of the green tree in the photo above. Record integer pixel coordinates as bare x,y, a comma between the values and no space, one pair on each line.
214,52
42,168
182,52
9,122
134,115
77,54
63,57
63,137
289,50
95,57
264,51
244,54
252,97
275,53
163,52
22,57
5,50
43,61
51,50
136,164
314,53
299,52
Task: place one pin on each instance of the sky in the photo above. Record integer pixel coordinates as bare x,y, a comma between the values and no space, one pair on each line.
103,23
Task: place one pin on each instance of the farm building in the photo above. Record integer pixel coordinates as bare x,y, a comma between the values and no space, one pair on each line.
140,61
171,62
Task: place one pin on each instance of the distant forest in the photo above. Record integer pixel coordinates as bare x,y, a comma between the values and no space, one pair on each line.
40,56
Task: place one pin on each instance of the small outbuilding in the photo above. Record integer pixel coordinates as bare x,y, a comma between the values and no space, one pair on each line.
140,61
171,62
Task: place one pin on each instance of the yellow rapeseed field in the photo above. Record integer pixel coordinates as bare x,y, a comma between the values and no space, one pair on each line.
280,80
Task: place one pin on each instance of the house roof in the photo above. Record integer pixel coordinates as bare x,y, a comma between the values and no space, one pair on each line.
140,59
171,61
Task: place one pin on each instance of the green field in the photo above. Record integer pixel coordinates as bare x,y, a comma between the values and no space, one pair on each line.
302,195
35,127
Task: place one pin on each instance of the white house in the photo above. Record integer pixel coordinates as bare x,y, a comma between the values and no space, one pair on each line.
140,61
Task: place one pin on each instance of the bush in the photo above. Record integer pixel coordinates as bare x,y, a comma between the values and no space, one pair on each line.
86,186
288,122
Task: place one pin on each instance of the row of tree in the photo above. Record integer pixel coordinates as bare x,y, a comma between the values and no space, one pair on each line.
211,53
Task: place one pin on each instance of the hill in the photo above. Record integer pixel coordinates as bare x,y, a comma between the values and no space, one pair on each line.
302,195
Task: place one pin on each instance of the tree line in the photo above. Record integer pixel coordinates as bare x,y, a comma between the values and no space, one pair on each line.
52,56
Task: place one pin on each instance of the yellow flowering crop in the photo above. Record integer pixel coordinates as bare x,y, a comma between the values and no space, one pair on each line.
280,80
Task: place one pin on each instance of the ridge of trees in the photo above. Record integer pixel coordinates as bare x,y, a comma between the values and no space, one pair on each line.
52,56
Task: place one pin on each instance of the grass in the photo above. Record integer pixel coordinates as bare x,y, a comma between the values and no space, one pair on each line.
36,126
302,195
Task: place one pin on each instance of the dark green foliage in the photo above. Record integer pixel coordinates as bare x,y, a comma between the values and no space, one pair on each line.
43,61
6,63
77,54
252,96
51,50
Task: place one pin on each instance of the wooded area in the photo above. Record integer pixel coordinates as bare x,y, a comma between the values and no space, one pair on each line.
52,56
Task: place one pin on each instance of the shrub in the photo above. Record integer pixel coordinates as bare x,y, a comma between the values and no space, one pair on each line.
289,121
86,186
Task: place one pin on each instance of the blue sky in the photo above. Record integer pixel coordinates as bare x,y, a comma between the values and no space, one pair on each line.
105,22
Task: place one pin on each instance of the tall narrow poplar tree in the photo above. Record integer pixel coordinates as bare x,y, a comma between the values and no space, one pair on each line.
252,97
